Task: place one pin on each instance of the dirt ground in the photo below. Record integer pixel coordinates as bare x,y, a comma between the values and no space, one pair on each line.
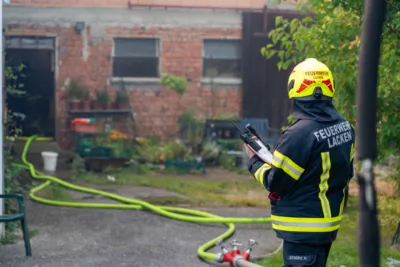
383,188
71,237
102,238
216,174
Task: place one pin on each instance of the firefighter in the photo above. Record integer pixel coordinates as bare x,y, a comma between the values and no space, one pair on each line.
311,168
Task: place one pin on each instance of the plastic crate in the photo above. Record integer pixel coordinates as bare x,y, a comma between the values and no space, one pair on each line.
230,144
82,127
85,151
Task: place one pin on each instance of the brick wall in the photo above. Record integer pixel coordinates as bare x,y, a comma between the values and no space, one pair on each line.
239,4
89,58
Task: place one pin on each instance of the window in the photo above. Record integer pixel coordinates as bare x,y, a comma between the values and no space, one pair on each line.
135,58
27,42
222,58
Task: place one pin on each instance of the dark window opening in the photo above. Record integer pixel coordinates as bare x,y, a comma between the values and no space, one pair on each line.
222,58
136,58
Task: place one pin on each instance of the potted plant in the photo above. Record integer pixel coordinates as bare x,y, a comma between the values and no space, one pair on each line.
86,103
74,93
103,99
121,100
177,84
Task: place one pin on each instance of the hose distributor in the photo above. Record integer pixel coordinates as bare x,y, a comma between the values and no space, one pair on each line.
235,257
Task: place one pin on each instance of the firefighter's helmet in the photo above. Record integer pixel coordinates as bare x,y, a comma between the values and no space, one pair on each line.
311,80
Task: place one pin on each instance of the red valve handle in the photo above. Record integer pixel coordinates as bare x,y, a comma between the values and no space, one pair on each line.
246,256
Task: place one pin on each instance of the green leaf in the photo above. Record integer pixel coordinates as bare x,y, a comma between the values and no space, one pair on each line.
281,54
293,25
263,51
278,20
332,36
280,64
270,53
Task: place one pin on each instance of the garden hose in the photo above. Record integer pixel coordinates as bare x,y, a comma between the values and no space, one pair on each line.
25,138
181,214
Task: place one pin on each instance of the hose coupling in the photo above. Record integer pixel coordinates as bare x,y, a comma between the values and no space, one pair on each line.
219,257
236,259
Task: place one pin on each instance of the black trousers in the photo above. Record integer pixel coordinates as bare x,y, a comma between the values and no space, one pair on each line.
300,254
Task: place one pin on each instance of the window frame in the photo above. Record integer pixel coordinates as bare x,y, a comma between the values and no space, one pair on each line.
217,79
17,42
145,79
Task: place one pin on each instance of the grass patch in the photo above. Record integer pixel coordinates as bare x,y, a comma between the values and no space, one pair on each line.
56,192
200,192
166,201
12,238
344,249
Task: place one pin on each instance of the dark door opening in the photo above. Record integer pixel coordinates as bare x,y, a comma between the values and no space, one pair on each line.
37,79
264,86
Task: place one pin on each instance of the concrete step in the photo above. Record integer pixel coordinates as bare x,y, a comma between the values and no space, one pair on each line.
40,146
64,163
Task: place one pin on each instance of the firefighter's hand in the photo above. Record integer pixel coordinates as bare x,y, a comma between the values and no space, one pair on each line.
249,152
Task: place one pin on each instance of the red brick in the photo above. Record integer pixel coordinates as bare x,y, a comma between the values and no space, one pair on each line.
156,109
239,4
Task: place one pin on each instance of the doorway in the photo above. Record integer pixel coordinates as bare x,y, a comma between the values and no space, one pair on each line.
264,85
32,61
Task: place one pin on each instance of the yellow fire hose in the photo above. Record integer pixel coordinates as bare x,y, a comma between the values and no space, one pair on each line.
181,214
25,138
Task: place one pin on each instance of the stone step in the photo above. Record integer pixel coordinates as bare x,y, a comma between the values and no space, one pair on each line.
36,148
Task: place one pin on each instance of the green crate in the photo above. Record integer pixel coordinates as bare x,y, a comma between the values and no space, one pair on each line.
230,144
85,151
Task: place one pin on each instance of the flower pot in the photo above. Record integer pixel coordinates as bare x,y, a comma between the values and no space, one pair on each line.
75,104
122,105
86,105
80,127
97,105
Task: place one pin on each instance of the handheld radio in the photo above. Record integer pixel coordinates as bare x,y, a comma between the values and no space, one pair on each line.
253,141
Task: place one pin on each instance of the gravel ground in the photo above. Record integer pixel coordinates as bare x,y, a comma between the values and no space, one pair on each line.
113,238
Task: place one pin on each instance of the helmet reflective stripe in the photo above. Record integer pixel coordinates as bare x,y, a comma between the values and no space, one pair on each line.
311,80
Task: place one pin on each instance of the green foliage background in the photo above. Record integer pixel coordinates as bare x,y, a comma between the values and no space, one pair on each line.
332,35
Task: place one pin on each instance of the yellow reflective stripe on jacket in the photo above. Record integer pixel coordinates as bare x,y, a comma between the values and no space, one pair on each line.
293,224
323,185
352,152
284,163
259,174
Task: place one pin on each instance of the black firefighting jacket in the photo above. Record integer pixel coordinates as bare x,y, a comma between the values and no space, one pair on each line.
312,165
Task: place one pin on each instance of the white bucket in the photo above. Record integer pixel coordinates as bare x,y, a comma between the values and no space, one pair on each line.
49,161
